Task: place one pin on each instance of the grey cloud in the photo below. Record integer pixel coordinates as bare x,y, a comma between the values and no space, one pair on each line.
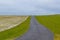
30,6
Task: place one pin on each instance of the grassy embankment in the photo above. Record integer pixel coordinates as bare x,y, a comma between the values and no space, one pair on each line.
16,31
52,22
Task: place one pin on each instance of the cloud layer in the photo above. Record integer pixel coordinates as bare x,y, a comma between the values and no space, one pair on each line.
29,7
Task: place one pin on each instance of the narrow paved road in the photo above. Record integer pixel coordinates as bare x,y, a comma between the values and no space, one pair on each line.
37,32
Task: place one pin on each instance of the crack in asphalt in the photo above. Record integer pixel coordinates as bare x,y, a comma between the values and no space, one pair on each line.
37,32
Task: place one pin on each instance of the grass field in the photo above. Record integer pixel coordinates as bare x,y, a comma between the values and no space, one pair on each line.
52,22
16,31
7,22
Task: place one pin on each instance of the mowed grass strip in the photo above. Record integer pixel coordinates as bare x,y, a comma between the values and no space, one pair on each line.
16,31
52,22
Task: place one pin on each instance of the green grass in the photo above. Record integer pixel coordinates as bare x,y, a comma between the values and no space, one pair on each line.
15,32
52,22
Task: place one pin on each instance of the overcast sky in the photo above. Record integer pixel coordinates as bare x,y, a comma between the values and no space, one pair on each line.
29,7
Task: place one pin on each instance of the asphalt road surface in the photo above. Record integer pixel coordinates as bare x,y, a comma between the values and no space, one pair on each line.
37,32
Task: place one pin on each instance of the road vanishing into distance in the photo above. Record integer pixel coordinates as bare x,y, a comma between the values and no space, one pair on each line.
36,32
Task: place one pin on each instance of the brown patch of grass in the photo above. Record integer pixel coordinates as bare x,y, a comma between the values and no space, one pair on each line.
57,37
